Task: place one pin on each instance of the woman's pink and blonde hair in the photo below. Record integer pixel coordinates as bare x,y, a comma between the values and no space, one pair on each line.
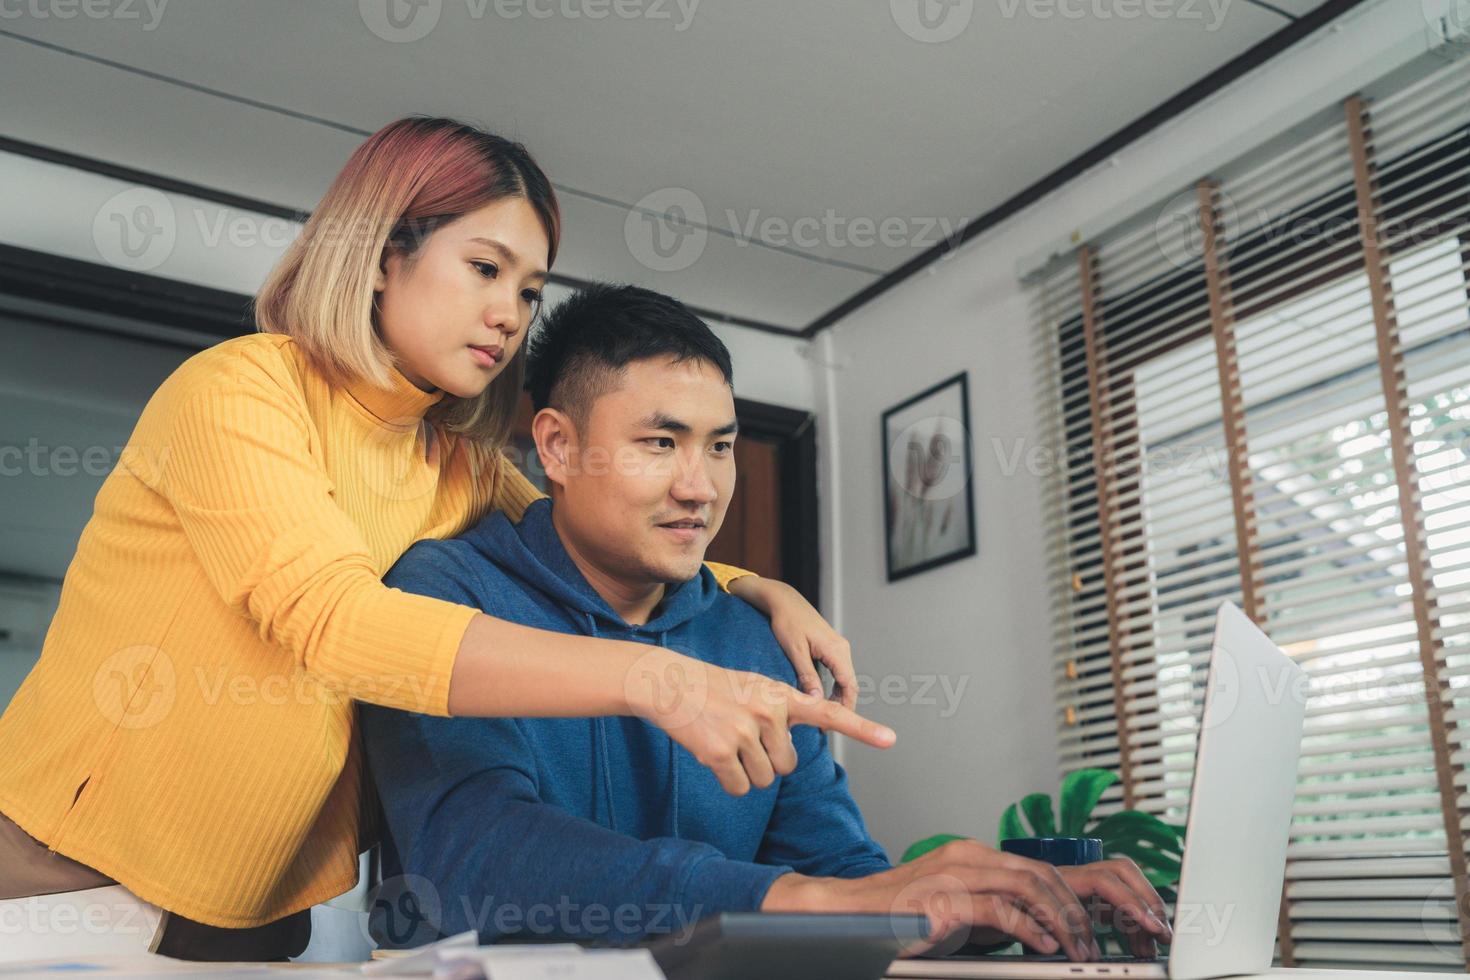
408,178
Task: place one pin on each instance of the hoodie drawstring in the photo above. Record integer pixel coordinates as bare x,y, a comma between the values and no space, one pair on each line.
663,641
603,763
600,758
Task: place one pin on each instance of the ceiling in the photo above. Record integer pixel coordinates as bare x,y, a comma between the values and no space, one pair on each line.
825,142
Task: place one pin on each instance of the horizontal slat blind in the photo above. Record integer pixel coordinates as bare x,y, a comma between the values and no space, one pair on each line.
1173,542
1082,670
1274,378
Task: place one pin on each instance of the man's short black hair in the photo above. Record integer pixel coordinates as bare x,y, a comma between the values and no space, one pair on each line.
579,351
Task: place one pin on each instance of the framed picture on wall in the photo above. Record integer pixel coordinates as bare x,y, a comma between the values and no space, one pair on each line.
929,509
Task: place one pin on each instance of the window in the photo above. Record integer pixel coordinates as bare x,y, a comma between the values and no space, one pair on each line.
1263,395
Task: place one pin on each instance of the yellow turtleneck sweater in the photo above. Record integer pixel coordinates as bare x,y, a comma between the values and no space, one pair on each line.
189,729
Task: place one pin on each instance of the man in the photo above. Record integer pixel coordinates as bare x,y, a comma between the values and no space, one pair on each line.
604,829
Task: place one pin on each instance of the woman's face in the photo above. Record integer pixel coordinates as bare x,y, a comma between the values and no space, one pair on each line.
458,311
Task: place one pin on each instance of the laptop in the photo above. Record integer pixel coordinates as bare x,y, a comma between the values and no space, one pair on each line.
1245,767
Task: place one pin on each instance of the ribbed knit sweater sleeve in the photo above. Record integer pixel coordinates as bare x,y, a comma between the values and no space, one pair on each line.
258,510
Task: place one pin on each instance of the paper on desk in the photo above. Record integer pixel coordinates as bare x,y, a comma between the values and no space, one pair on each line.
421,961
458,958
550,963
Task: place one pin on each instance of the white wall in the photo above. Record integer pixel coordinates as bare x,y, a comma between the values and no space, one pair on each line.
985,621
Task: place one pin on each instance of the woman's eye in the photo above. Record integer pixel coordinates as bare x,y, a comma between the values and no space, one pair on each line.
481,268
531,296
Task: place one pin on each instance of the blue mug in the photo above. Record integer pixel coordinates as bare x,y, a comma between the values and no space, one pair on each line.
1055,850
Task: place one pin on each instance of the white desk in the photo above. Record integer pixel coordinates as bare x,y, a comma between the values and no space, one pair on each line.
1298,974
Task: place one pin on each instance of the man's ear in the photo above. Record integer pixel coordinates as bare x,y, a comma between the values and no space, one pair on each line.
556,440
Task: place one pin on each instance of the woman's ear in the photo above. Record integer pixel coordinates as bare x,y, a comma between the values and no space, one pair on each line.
380,275
555,442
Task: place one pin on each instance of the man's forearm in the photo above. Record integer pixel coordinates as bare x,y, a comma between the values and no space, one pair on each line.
541,871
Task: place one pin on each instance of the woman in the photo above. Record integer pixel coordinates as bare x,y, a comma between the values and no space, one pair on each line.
188,733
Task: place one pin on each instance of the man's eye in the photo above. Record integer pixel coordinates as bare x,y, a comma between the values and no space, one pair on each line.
724,447
481,268
660,442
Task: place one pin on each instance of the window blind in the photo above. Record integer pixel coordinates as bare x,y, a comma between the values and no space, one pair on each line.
1261,392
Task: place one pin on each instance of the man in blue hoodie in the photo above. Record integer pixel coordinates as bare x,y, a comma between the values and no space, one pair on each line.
605,829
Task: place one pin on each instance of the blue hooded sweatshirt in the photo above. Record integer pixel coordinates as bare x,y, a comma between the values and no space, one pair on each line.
589,829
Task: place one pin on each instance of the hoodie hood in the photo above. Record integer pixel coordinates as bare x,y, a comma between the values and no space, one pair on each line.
531,553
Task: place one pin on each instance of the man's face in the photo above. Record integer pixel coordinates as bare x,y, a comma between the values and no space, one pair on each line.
647,483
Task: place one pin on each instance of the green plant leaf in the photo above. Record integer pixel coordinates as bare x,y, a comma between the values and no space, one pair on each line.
1161,879
1038,810
920,848
1147,858
1134,825
1010,824
1080,792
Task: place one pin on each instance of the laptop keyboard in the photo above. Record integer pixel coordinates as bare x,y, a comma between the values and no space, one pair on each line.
1057,958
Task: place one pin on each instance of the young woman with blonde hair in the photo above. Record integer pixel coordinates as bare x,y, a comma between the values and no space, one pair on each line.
187,740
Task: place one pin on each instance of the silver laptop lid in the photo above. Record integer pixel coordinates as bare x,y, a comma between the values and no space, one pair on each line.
1245,772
